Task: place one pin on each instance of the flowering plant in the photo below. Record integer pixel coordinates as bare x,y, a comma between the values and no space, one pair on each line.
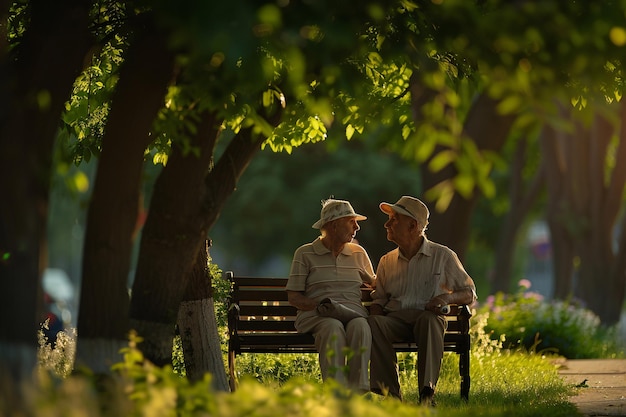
525,319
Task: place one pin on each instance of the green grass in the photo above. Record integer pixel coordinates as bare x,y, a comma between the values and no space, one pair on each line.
503,383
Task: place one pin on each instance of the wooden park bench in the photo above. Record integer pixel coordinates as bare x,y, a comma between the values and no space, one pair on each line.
260,320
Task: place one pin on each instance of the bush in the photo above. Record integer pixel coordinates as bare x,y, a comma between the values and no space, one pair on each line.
526,320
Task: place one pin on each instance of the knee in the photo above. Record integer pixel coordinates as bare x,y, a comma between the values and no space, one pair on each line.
375,321
359,326
429,320
333,327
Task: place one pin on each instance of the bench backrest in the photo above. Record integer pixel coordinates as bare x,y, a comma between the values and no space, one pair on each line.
263,307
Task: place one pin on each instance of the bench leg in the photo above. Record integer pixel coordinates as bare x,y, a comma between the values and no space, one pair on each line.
464,367
231,370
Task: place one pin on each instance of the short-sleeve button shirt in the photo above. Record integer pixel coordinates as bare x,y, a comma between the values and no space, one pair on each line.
403,283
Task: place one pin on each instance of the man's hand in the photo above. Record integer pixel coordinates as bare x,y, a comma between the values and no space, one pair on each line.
300,301
435,305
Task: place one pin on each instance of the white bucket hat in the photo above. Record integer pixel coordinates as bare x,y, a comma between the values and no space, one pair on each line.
335,209
409,206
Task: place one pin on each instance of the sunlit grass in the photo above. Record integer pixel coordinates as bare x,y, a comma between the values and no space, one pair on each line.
502,383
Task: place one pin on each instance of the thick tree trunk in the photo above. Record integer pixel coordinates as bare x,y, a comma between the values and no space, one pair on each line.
36,80
171,239
596,250
583,206
197,326
185,204
104,302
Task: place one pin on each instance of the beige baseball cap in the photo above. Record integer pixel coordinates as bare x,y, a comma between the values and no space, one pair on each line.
409,206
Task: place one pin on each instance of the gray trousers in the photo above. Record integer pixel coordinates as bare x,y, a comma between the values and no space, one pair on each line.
425,328
344,352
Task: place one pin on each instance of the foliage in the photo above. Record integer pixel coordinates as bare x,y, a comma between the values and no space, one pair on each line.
524,319
242,70
221,290
282,193
272,369
57,359
501,381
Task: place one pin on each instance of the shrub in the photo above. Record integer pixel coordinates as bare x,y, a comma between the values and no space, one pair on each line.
525,320
57,358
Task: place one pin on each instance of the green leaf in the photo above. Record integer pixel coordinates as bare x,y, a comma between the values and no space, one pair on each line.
441,160
349,131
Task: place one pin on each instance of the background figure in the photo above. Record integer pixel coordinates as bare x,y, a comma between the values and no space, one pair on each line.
325,285
52,323
413,282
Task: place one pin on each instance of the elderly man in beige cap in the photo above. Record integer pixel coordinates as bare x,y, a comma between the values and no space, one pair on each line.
325,285
413,282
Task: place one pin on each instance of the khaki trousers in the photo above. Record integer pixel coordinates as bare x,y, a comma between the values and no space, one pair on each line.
344,352
425,328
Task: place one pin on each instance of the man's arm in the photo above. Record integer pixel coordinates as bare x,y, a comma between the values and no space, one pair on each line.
301,301
379,295
463,296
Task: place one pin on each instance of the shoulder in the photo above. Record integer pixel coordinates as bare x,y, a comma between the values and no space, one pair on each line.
437,248
354,248
307,247
390,256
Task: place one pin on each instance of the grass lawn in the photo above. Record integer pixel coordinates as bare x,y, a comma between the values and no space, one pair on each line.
503,384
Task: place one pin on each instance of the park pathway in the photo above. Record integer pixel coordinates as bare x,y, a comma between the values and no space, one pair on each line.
603,385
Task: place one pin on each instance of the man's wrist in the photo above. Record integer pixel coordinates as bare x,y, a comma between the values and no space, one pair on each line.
441,301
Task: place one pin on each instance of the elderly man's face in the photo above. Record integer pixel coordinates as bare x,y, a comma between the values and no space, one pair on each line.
344,229
400,228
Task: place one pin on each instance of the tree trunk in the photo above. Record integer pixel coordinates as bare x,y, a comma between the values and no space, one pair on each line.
104,301
36,79
171,239
596,254
197,326
174,232
558,211
583,206
521,201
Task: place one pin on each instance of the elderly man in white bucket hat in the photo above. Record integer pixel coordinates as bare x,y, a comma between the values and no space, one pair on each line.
325,285
413,283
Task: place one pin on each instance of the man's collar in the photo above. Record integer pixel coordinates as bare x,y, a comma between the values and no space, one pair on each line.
425,249
320,249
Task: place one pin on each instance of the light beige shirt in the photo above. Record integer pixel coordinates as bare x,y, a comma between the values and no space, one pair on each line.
403,283
319,274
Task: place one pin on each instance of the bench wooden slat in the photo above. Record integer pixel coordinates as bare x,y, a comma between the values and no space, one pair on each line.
260,310
245,294
272,282
251,317
266,326
260,320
